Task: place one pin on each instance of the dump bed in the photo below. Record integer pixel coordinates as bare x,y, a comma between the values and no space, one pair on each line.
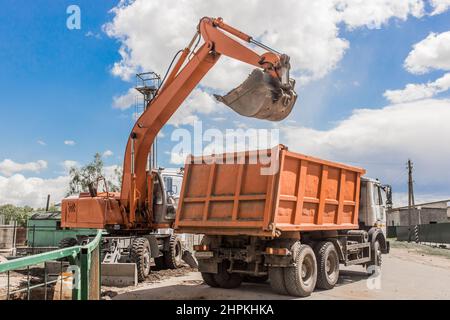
245,194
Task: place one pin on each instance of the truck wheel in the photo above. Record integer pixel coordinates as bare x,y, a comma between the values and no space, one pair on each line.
375,263
173,258
68,242
276,276
327,265
208,278
225,279
140,254
300,280
255,279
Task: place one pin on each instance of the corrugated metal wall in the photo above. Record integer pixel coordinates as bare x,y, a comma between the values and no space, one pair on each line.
434,233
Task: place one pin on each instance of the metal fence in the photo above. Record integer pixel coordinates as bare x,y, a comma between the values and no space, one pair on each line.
70,273
430,233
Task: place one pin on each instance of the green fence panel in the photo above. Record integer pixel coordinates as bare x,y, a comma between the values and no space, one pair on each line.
432,233
86,258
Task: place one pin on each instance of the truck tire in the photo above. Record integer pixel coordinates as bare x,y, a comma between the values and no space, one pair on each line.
376,258
173,257
67,243
327,265
255,279
300,280
276,278
208,278
225,279
140,254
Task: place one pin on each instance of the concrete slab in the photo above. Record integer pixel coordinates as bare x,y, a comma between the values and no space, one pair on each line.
119,274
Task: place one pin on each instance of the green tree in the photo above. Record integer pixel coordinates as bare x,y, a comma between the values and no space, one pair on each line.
80,178
13,213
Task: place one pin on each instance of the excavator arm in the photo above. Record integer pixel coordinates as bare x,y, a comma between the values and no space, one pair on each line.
268,93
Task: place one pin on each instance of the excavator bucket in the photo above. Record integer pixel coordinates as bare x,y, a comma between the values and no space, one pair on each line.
261,96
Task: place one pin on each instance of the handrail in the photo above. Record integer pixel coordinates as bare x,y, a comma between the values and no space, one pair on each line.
51,255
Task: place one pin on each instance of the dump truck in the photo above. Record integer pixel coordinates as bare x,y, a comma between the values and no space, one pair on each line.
293,219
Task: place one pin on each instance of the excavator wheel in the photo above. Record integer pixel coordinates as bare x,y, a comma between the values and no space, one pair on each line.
140,254
173,257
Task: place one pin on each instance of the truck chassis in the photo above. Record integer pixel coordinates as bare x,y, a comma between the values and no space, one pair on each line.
295,264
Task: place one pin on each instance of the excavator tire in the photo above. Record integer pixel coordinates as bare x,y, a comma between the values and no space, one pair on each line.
225,279
173,258
67,243
140,254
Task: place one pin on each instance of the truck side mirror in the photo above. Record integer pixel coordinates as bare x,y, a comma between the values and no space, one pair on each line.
388,189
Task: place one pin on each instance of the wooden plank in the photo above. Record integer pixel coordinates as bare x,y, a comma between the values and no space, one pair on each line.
237,192
301,186
340,212
212,171
323,184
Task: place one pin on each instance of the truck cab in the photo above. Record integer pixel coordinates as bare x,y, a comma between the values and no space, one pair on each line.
375,198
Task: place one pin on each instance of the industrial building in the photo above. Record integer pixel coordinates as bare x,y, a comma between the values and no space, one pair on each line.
424,213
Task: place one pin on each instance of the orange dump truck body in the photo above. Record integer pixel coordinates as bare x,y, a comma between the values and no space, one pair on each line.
234,194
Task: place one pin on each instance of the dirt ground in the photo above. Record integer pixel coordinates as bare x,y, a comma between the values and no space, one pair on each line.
409,272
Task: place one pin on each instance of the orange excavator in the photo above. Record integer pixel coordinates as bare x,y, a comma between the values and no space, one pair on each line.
268,93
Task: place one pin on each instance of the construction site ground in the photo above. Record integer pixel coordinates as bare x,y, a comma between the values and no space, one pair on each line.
410,271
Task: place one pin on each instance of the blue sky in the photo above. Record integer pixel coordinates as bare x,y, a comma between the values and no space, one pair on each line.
57,85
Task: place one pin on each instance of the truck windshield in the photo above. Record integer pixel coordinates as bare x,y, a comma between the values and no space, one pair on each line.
173,185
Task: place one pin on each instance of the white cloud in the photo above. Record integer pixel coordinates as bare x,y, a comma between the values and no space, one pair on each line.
439,6
311,36
42,143
382,140
19,190
419,91
69,142
375,13
107,153
126,100
9,167
69,164
431,53
400,199
198,102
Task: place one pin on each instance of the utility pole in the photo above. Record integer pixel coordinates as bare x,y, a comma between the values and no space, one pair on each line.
410,197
